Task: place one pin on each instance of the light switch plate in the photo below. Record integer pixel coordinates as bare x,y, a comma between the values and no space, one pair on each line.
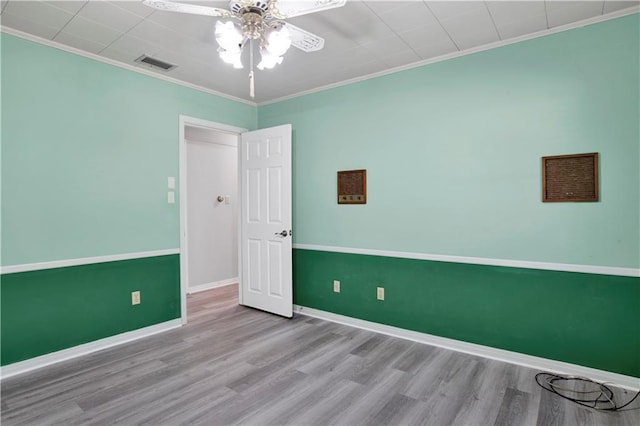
227,199
135,297
171,197
380,293
171,182
336,286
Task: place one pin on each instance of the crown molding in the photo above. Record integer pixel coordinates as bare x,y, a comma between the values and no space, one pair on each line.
501,43
118,64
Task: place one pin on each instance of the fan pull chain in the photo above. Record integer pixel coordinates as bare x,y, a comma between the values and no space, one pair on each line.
251,79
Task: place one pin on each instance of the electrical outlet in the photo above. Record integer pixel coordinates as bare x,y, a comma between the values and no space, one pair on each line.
380,293
336,286
135,297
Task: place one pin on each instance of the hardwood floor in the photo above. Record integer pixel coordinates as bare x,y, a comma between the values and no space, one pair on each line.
235,365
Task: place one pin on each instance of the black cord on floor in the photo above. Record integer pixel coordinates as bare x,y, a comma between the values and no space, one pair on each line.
596,395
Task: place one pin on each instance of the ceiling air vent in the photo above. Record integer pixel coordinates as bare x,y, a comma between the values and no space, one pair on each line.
155,63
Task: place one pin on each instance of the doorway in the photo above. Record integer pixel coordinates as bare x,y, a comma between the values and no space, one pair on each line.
208,224
212,208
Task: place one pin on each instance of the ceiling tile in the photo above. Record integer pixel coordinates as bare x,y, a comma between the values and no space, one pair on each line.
565,12
161,35
401,58
612,6
515,18
371,30
21,23
39,13
196,26
337,41
408,16
205,52
79,42
89,30
436,48
68,6
303,64
387,47
509,11
342,20
471,29
349,58
429,41
450,9
522,27
379,7
109,15
135,7
130,48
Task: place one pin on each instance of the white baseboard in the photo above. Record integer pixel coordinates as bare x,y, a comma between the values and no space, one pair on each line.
549,365
84,349
209,286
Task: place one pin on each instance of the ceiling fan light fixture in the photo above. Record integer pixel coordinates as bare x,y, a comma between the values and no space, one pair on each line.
228,35
277,40
232,57
259,20
269,60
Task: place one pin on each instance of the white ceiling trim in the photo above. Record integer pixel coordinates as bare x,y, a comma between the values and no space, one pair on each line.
559,29
98,58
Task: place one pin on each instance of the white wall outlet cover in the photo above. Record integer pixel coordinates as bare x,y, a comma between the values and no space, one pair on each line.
171,197
227,199
380,293
135,297
171,182
336,286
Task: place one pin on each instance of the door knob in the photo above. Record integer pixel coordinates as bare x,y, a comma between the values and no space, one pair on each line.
283,233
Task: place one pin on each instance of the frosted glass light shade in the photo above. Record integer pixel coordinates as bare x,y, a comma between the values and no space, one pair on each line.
278,41
228,35
231,57
269,60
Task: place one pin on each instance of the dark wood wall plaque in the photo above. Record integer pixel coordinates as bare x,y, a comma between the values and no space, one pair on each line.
352,187
570,178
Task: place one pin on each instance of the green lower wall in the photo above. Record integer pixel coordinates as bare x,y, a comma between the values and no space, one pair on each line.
585,319
49,310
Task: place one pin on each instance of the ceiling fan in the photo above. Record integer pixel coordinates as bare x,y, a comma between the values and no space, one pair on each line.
261,20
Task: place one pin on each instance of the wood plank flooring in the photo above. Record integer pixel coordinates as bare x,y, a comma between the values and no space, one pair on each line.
235,365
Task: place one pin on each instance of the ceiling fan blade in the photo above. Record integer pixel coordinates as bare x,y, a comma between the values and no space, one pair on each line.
304,40
282,9
171,6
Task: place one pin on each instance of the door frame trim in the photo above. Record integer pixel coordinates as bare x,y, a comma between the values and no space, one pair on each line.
185,121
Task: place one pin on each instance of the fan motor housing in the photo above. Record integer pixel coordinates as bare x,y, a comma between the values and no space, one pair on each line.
238,6
252,25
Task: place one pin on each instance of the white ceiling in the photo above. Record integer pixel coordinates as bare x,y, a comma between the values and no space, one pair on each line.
361,38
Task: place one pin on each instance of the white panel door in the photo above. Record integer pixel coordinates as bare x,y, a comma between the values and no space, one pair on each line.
265,231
